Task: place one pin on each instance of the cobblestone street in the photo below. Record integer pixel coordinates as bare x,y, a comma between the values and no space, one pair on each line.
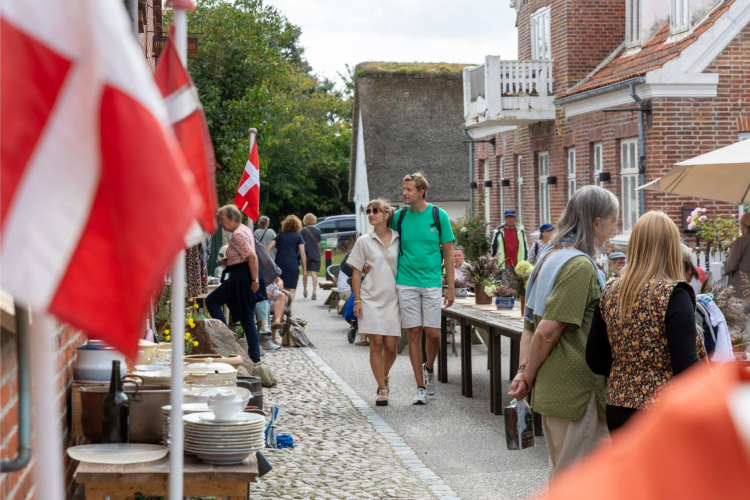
343,449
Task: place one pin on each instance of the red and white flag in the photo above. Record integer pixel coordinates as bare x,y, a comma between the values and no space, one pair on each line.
189,123
96,195
248,192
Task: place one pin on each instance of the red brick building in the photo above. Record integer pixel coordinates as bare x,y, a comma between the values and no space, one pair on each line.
549,115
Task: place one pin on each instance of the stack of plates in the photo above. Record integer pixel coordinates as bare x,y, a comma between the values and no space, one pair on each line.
187,408
224,441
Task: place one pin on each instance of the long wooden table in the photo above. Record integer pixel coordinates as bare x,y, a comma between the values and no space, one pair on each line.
125,482
497,325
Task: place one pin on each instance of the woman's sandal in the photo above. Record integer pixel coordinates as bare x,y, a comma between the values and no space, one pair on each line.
382,398
387,386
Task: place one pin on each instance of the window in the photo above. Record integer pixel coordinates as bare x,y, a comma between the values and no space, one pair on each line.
327,227
541,46
571,172
543,188
519,177
502,176
629,173
486,193
633,23
348,224
680,20
598,161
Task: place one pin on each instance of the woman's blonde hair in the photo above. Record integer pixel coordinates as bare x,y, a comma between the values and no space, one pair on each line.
654,253
310,219
386,207
291,224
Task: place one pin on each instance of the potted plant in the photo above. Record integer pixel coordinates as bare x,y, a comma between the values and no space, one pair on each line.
482,273
505,296
461,288
518,278
740,344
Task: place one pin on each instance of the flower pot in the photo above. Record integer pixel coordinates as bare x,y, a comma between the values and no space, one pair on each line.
462,293
94,363
504,302
523,304
480,297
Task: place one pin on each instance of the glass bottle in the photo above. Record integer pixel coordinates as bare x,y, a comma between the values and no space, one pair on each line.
116,411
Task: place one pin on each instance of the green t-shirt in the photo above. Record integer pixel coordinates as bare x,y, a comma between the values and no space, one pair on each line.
420,262
565,382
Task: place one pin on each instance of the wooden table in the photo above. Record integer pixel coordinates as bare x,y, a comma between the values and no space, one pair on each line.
124,482
497,324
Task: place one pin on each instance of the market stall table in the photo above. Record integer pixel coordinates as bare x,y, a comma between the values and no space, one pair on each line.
125,482
497,323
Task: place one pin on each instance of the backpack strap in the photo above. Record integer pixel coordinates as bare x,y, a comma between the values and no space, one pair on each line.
398,228
436,219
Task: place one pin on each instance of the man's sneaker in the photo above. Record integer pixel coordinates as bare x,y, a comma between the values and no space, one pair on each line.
429,380
421,397
268,345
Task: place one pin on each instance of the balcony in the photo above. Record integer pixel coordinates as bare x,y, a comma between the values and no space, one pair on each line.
507,93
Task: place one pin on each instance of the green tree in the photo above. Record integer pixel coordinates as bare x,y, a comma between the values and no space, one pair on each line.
251,72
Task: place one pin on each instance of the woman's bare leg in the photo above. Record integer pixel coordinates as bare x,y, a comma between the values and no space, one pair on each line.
389,353
376,360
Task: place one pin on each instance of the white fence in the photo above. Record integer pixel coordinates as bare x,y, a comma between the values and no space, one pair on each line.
713,264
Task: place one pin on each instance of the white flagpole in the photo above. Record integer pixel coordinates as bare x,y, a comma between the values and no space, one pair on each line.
178,319
47,439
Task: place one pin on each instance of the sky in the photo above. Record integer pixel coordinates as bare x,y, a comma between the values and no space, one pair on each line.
340,32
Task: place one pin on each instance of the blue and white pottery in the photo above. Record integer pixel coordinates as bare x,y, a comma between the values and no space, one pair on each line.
94,363
505,302
462,293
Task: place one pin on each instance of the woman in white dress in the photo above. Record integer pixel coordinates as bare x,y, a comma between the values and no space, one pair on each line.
375,298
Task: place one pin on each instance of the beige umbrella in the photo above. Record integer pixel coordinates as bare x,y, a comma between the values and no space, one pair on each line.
722,175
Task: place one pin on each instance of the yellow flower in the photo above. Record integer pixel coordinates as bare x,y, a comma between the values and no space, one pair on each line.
195,305
167,337
195,343
187,336
166,332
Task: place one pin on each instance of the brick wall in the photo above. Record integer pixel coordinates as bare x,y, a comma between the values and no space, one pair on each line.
583,33
682,129
21,485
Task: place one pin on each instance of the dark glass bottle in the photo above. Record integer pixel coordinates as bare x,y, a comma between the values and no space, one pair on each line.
116,414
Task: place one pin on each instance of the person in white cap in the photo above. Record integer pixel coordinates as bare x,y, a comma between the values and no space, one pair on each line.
222,261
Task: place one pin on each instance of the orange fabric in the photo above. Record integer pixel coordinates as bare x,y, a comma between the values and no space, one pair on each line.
688,449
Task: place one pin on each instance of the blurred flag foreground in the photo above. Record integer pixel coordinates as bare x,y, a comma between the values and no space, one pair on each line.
96,196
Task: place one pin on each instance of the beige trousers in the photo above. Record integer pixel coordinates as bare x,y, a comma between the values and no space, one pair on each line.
570,440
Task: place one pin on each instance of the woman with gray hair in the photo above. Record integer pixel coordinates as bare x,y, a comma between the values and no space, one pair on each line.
563,290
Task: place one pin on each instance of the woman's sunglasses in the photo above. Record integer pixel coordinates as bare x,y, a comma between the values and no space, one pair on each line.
372,210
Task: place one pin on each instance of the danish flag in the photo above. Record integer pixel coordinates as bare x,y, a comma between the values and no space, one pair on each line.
96,196
189,123
248,192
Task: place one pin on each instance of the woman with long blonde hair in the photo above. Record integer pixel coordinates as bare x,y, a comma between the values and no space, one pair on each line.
644,330
375,296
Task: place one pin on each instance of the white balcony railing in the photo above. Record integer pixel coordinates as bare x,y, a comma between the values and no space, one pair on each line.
501,93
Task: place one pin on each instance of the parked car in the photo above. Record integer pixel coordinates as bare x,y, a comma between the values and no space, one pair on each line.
338,231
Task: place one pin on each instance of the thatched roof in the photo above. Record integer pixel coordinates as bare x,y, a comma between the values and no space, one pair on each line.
411,116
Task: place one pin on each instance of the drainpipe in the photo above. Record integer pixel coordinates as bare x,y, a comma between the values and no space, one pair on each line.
641,152
24,390
471,171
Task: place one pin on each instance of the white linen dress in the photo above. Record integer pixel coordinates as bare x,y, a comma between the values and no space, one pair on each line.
380,311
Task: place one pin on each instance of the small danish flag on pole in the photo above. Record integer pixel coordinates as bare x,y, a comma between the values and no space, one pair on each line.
248,192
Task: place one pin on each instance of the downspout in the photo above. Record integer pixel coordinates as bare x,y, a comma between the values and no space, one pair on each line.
641,153
24,401
471,171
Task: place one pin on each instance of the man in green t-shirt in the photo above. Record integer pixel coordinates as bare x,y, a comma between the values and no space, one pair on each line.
424,230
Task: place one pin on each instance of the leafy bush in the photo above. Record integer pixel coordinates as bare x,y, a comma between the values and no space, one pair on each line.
471,234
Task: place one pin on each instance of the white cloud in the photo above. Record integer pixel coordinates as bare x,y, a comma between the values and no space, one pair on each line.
339,32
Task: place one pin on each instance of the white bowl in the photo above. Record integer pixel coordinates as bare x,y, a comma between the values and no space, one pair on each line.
225,405
241,392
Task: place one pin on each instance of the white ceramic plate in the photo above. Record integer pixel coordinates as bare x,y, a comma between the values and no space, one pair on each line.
223,458
121,453
224,449
208,418
187,407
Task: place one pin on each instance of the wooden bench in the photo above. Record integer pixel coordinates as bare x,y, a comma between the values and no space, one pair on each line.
125,482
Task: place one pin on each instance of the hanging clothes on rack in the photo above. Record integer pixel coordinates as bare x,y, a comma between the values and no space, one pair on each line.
196,285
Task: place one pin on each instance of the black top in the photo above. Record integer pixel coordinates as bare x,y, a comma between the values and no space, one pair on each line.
241,296
680,330
311,235
287,248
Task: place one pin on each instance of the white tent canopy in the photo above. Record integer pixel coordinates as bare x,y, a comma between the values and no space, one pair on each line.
722,175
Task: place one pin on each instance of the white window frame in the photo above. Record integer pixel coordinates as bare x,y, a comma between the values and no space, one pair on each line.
632,23
629,183
679,21
487,212
598,153
502,176
571,172
541,38
544,216
519,181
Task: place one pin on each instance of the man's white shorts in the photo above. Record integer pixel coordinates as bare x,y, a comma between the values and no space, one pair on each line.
420,306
